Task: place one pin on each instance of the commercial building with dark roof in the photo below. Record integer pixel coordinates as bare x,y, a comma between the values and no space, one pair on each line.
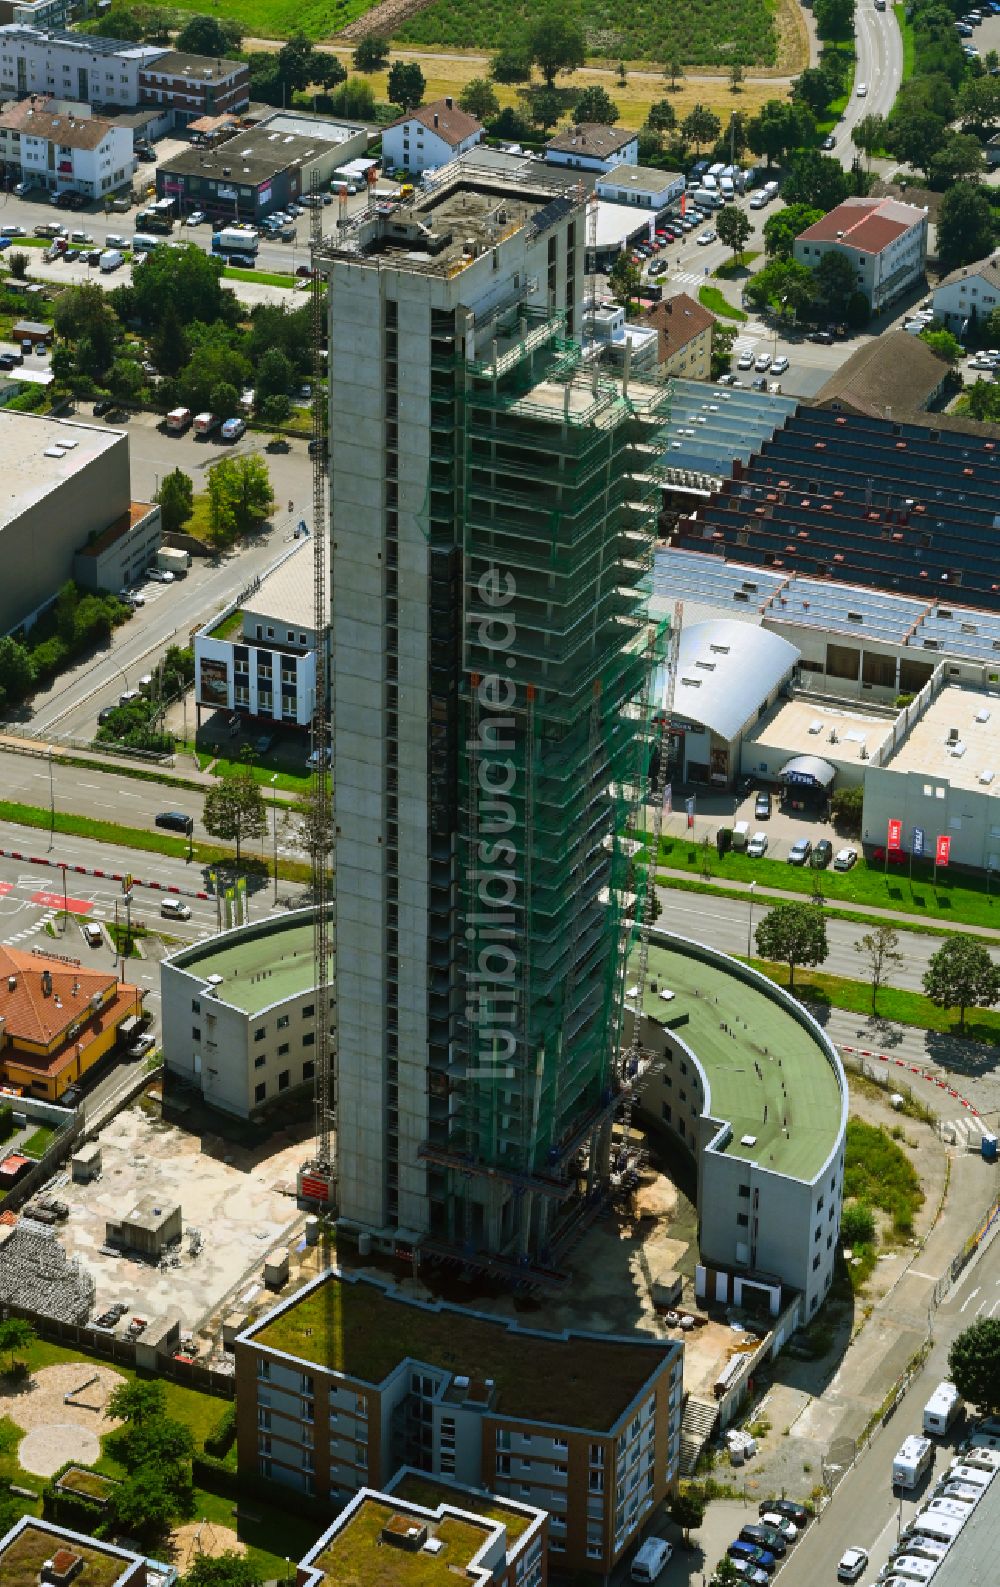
884,240
253,173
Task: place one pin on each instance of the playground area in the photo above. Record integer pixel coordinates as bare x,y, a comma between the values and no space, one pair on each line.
62,1412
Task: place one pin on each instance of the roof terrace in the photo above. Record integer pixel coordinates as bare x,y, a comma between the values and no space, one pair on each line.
381,1544
256,967
958,737
767,1073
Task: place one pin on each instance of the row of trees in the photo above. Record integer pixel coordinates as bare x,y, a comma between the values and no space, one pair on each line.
77,621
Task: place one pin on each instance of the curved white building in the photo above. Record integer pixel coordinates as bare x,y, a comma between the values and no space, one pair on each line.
754,1090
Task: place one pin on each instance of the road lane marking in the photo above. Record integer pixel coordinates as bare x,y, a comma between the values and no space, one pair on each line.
971,1298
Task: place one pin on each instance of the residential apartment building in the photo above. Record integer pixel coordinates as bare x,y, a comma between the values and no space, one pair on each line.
55,147
429,137
968,294
57,1020
239,1013
194,85
82,66
258,657
684,331
488,487
40,1551
483,1540
590,147
884,240
345,1382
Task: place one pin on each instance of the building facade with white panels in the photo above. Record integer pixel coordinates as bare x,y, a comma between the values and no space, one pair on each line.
96,71
968,294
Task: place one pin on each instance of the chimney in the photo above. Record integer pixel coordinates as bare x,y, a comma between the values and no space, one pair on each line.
449,102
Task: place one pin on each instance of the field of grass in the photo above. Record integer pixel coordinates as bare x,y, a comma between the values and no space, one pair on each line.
951,902
877,1171
265,277
906,33
905,1008
715,299
39,1141
732,267
713,33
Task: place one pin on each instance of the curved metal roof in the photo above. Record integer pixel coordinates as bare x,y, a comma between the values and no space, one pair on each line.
726,670
810,767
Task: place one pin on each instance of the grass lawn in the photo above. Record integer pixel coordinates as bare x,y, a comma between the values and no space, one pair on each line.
230,625
10,1471
290,781
714,299
907,1008
732,267
954,903
878,1171
683,884
39,1141
906,33
233,273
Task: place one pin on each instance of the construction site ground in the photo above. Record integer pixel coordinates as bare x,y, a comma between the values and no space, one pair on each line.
241,1203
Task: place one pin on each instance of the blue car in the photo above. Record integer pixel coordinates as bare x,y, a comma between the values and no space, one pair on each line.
761,1557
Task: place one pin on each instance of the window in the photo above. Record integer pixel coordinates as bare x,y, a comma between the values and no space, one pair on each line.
284,1080
308,1070
282,1021
815,1262
260,1061
308,1010
743,1219
260,1092
309,1039
195,1006
195,1033
260,1033
744,1190
283,1050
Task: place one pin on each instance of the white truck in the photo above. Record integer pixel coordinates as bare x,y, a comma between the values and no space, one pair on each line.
941,1410
111,259
233,239
170,559
911,1461
205,423
178,420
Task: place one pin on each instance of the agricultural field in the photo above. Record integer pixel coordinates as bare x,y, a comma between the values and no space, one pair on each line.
714,33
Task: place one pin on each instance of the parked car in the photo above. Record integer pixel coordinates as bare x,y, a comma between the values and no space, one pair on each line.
853,1563
141,1046
761,1557
787,1507
800,851
822,854
845,858
263,743
745,361
829,142
159,575
757,847
232,429
759,383
762,806
102,406
824,338
765,1537
196,217
779,364
748,1572
780,1523
762,363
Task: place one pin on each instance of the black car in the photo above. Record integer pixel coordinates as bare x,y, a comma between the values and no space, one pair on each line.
796,1513
105,714
8,361
102,406
825,338
176,821
822,854
765,1537
243,261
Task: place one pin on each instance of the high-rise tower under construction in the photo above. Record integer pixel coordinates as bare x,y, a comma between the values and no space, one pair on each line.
492,515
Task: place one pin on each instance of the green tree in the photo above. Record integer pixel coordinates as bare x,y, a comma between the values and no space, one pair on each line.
979,104
701,126
169,345
857,1224
869,134
545,107
125,380
146,1501
815,179
512,65
735,76
662,116
981,401
224,399
814,88
726,1574
17,674
595,105
960,156
405,84
224,1570
944,344
176,499
276,408
723,337
733,227
784,285
17,264
16,1333
137,1402
234,810
296,64
202,35
834,18
880,951
371,53
625,279
974,1364
966,228
845,807
782,228
835,284
213,362
915,134
239,495
673,71
479,98
777,128
687,1510
793,934
186,280
274,374
556,44
962,975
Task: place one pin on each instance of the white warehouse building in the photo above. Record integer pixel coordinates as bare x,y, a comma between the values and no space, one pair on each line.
753,1089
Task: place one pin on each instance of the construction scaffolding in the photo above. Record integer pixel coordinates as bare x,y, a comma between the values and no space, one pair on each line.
558,484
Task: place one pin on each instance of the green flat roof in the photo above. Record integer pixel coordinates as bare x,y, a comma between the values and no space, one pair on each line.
22,1560
358,1328
431,1492
258,968
357,1557
767,1074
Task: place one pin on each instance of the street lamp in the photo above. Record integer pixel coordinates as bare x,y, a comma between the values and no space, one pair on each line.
274,818
750,919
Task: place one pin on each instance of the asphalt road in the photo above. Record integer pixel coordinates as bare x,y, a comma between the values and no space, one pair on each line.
879,64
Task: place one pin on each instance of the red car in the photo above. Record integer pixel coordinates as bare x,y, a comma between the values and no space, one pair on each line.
896,856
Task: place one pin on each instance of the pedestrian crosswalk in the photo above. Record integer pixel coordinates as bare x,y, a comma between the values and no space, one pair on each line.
965,1131
689,277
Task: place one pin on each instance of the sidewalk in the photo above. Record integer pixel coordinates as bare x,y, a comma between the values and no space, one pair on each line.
41,749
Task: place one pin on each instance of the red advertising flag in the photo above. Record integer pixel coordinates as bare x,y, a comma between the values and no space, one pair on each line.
684,201
895,835
942,851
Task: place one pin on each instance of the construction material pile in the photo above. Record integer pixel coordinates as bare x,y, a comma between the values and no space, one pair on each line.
37,1275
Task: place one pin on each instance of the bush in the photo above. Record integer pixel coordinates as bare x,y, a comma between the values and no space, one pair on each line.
857,1224
220,1440
846,806
6,1120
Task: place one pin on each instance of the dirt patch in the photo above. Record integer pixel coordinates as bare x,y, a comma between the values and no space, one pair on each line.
793,38
202,1537
45,1449
66,1396
384,18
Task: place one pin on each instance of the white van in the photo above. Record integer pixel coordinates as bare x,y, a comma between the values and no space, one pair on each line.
980,1453
910,1567
926,1547
175,909
941,1409
651,1560
93,936
969,1472
911,1461
945,1528
726,188
741,835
